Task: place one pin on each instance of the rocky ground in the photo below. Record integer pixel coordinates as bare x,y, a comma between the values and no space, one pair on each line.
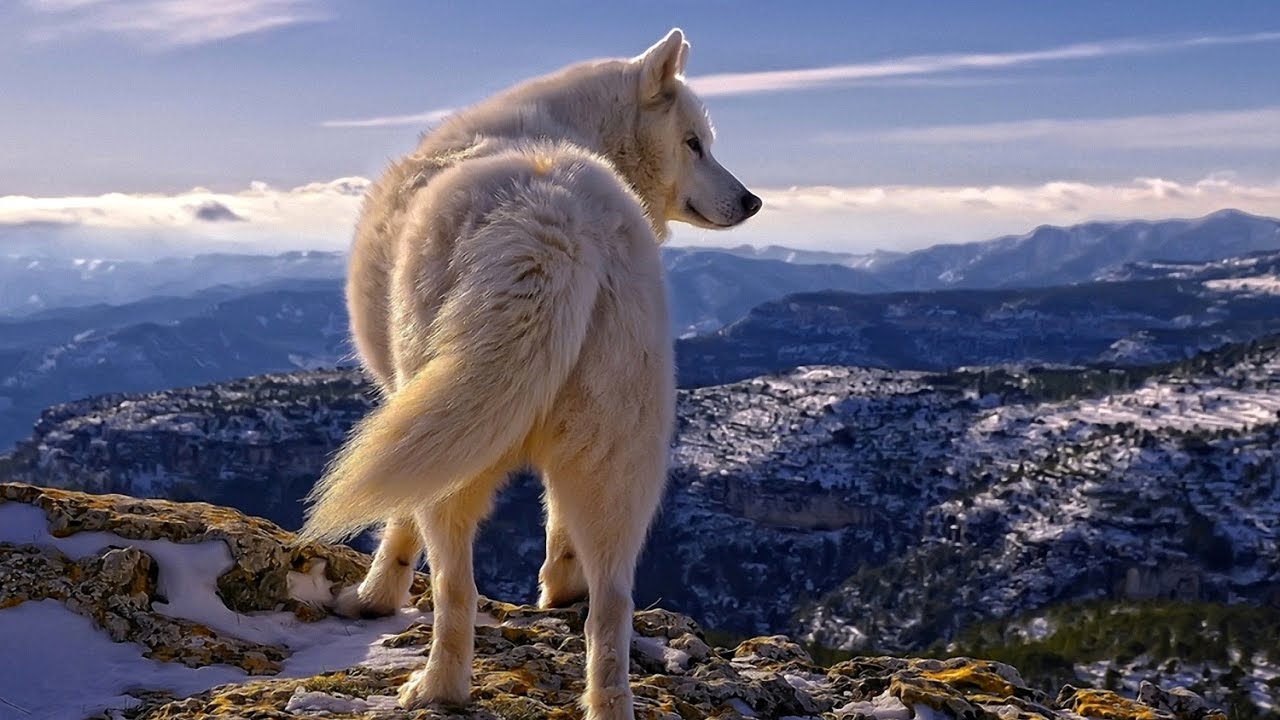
128,608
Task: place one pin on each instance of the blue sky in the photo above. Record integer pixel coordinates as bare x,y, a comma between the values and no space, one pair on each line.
864,124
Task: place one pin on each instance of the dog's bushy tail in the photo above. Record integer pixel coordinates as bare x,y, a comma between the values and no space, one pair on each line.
502,346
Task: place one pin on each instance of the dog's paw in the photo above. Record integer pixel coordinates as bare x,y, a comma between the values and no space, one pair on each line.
561,583
549,599
609,704
352,603
424,688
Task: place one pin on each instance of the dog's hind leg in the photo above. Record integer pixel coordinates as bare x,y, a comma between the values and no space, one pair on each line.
608,506
560,579
448,530
385,588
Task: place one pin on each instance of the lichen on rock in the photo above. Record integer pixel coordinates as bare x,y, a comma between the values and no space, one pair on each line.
262,553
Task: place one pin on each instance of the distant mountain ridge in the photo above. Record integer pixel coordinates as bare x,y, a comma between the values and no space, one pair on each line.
268,323
708,289
1166,312
219,316
218,333
1052,255
30,284
1046,256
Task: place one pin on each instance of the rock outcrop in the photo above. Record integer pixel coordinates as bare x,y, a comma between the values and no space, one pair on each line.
125,608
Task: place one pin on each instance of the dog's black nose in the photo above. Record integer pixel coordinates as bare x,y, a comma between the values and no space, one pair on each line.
751,204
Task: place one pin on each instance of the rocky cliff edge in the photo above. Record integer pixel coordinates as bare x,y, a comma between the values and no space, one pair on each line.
116,607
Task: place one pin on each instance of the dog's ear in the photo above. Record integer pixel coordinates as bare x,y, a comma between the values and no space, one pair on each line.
660,64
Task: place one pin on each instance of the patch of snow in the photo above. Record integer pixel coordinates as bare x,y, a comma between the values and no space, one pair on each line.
1259,285
311,587
309,703
306,362
924,712
68,668
812,684
1039,628
882,707
672,659
73,669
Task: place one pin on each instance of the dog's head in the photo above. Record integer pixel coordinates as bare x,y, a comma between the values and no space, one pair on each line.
681,180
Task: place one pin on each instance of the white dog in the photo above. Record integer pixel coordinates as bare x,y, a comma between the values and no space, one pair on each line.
506,292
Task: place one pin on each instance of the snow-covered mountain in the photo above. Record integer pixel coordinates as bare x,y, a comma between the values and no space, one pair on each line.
709,288
204,328
217,334
49,273
1168,312
30,284
884,507
798,256
1163,491
198,319
1256,264
227,332
1080,253
1050,255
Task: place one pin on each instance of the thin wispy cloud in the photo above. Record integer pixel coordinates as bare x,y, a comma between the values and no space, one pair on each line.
746,83
430,117
914,70
1256,128
165,24
423,118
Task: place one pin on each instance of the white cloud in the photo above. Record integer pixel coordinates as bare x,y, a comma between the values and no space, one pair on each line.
1252,128
898,217
313,216
1140,196
853,218
744,83
163,24
423,118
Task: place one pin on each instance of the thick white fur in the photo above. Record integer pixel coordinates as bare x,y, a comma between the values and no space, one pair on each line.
506,292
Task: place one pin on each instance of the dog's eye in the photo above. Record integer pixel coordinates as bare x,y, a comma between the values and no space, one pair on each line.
695,145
